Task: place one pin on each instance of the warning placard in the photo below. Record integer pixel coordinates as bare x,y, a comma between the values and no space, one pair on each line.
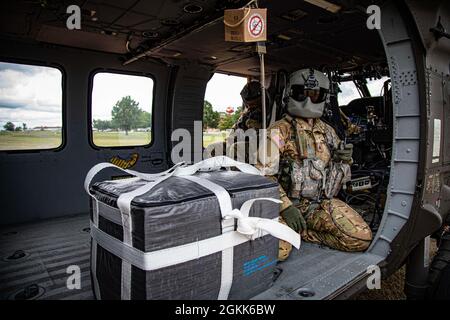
245,25
255,25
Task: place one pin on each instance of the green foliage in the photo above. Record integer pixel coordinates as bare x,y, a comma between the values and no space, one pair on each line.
102,125
226,122
211,118
18,128
237,114
125,114
9,126
145,119
24,127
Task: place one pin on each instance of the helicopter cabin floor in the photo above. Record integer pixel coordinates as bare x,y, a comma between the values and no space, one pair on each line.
34,258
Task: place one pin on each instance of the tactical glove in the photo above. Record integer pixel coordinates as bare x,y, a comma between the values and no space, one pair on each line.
344,155
294,219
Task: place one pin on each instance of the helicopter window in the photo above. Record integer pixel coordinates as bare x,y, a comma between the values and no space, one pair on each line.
121,110
222,107
31,112
376,87
348,92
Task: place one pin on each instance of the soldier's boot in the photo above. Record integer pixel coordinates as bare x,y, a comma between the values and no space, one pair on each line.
338,226
284,248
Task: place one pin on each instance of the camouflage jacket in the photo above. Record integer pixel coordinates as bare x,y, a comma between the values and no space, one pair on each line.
249,119
310,141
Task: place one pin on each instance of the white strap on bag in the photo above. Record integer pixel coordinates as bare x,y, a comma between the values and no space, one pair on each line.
250,227
247,226
158,259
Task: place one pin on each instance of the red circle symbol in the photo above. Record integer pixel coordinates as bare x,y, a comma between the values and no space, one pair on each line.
255,25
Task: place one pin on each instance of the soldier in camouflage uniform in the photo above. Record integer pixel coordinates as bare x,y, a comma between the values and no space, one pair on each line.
251,117
312,165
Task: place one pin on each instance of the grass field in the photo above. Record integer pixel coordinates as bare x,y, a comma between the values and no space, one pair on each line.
29,140
209,138
35,140
115,139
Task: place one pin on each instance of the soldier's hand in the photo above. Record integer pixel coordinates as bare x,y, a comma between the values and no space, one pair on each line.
344,155
294,219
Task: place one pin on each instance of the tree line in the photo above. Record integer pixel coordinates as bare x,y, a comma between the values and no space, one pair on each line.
9,126
125,115
216,120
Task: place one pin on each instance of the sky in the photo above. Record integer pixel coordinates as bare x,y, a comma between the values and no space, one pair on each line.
33,94
30,94
349,91
224,91
110,88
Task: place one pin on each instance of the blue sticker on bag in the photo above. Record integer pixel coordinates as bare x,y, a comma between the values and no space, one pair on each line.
257,264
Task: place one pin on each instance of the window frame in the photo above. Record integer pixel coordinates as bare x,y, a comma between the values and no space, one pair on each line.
39,63
92,75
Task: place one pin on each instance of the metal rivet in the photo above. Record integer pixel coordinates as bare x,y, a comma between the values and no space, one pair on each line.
403,203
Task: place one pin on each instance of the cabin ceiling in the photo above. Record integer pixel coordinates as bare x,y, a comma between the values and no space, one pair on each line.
299,33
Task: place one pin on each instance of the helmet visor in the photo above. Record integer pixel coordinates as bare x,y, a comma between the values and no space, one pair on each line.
300,93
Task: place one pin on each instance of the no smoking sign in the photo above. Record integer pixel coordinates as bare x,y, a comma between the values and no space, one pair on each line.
245,24
255,25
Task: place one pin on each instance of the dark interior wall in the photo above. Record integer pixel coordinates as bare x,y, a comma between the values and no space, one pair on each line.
187,107
46,184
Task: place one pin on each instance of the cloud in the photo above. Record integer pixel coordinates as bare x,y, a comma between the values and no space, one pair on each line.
110,88
31,118
30,94
21,68
9,104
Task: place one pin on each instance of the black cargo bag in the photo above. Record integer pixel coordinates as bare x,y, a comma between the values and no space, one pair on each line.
185,233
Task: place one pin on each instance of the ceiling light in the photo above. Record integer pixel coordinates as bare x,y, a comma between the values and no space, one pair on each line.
325,5
192,8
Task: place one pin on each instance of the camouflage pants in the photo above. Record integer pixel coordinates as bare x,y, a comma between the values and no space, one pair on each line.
334,224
